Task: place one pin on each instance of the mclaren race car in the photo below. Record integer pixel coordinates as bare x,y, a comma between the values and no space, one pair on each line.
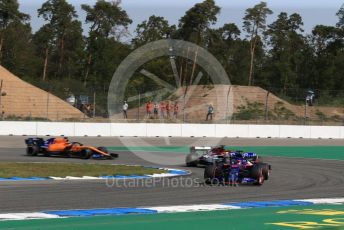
250,170
62,147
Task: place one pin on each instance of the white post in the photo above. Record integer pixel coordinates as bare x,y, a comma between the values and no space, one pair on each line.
0,99
94,104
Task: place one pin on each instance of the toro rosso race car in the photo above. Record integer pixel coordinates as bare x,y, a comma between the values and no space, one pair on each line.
62,147
237,168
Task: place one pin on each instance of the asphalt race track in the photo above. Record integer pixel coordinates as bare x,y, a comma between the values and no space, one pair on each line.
290,179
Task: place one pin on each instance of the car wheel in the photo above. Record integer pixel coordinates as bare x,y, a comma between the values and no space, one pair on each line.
86,154
212,174
257,174
114,155
209,173
260,179
266,171
32,151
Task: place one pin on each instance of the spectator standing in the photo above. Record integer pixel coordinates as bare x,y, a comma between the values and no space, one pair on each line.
310,98
163,109
168,109
210,112
156,110
125,110
149,108
175,109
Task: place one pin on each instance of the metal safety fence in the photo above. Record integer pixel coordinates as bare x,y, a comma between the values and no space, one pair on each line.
196,104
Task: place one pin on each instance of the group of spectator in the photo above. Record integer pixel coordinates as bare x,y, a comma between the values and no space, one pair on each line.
164,108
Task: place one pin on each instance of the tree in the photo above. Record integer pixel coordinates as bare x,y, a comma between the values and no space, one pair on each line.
108,21
62,25
255,25
193,26
287,43
226,45
340,15
154,29
323,37
18,50
229,32
327,45
10,14
43,41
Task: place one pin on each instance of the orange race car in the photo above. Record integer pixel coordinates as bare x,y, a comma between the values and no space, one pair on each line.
62,147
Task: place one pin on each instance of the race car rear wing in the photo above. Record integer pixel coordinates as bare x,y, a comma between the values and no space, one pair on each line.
200,150
201,147
34,141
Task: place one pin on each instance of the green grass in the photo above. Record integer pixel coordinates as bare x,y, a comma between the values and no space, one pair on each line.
8,170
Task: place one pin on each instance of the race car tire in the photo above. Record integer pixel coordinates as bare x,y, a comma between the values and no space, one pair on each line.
257,174
191,160
114,155
266,171
192,164
32,151
86,154
211,173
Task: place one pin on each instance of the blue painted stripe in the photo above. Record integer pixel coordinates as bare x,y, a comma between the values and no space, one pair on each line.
139,177
264,204
33,178
178,172
23,179
97,212
38,178
113,177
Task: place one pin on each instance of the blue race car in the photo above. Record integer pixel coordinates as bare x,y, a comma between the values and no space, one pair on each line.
237,167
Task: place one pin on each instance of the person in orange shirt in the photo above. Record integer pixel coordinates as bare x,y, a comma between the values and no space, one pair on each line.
168,109
149,108
162,109
175,109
